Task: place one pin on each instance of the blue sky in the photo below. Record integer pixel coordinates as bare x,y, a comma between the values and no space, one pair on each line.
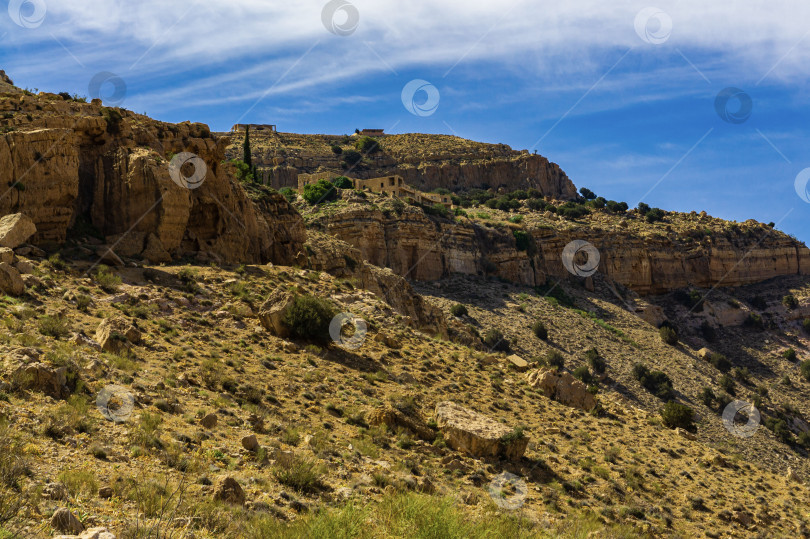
619,94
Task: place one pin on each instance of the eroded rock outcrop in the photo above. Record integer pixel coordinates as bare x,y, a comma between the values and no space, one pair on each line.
562,387
468,431
419,247
70,162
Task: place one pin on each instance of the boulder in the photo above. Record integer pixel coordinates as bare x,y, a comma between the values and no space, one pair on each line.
652,314
468,431
115,334
15,229
47,379
65,521
562,387
272,312
6,255
250,443
395,420
517,363
11,282
228,490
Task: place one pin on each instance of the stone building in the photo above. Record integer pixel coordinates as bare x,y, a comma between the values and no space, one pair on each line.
372,132
254,127
386,185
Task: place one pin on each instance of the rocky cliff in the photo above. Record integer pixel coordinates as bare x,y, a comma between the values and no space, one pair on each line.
428,248
424,161
66,163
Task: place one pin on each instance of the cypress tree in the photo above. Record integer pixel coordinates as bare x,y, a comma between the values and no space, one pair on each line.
247,157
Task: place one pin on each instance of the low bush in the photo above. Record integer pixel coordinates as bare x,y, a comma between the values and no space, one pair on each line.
656,382
458,310
555,359
668,335
720,362
540,330
679,415
309,317
790,301
495,339
319,192
789,354
597,362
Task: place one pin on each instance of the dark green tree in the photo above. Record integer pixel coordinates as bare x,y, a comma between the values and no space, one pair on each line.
247,154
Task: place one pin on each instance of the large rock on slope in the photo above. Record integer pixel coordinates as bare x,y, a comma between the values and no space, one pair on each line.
468,431
11,282
115,334
562,387
15,229
272,312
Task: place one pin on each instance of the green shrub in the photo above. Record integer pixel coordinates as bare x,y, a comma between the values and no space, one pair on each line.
54,326
539,329
299,473
319,192
458,310
668,335
655,214
337,150
707,396
789,354
727,383
675,415
584,374
790,301
806,325
352,157
804,368
522,240
754,321
586,193
555,359
288,193
367,145
496,340
720,362
656,382
597,363
309,317
106,279
342,182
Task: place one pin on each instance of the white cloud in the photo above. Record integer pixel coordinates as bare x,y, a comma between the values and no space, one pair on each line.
561,43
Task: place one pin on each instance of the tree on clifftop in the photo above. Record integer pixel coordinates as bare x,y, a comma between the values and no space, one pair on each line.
246,158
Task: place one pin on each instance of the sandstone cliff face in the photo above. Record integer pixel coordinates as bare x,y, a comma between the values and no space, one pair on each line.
424,161
422,248
65,161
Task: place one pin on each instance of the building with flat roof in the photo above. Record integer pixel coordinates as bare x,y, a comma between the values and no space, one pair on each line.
254,127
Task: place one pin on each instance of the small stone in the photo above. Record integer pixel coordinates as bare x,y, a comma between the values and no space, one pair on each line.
105,493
